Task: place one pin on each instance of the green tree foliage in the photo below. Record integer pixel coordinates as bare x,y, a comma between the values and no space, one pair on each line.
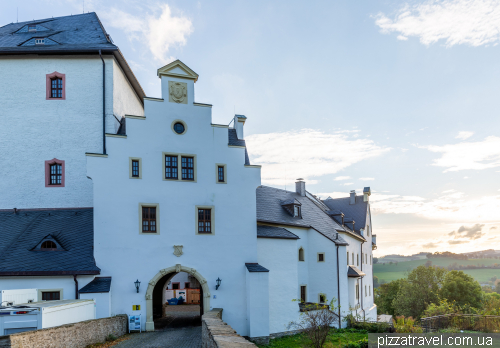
385,295
462,289
375,282
497,286
418,291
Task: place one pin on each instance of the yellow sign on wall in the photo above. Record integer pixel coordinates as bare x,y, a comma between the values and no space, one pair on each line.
136,307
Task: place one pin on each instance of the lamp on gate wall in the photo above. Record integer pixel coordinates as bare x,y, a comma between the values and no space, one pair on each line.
218,283
137,285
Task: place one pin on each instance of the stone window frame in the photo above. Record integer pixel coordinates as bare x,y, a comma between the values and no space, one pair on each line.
212,220
60,290
48,85
179,121
317,257
130,159
179,166
303,256
217,165
47,172
150,205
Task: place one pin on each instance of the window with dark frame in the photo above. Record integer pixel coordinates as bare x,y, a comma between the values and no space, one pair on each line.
171,167
175,286
135,168
148,219
322,298
204,220
187,168
321,257
31,27
56,87
48,245
51,295
220,171
301,254
55,174
187,285
303,293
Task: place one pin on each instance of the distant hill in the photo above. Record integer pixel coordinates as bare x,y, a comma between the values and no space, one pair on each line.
391,269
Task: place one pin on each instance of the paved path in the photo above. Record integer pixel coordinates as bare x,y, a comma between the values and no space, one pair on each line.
180,328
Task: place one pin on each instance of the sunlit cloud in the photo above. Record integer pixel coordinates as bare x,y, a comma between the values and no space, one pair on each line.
339,178
472,232
471,22
308,153
348,184
468,155
366,179
160,31
464,135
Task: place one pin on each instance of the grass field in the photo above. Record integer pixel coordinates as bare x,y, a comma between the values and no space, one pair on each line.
390,272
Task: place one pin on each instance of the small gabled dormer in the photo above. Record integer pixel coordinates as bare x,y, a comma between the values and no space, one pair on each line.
337,215
293,207
48,243
350,222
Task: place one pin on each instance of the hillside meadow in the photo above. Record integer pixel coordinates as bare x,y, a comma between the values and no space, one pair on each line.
389,272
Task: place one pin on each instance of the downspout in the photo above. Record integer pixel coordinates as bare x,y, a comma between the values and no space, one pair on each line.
103,105
338,284
76,286
362,306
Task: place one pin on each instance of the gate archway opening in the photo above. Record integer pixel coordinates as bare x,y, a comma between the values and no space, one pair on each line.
154,292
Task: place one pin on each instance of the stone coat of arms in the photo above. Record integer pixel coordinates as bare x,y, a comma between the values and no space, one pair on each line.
177,92
178,250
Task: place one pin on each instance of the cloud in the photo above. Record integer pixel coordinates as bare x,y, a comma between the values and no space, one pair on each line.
450,206
473,232
493,228
464,135
160,31
457,241
308,153
471,22
429,245
366,179
468,155
348,183
338,178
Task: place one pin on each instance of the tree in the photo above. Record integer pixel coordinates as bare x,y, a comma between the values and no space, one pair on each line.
497,286
375,260
375,282
386,294
418,291
462,289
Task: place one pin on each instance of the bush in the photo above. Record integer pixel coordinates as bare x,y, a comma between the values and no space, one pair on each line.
406,325
111,337
360,344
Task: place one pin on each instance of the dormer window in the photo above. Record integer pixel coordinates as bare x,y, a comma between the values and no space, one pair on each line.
39,41
31,27
296,211
48,245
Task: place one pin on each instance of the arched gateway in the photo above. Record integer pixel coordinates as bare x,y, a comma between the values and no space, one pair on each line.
173,271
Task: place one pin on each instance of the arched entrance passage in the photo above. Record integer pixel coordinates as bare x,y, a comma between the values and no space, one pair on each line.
150,326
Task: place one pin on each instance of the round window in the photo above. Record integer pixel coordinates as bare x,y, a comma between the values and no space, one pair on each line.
179,128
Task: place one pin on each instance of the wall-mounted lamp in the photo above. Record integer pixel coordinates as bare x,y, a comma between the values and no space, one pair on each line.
218,283
137,285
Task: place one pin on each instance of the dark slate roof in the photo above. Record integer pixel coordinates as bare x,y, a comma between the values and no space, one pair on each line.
356,212
255,267
354,271
69,33
234,141
83,33
21,233
269,210
99,284
274,232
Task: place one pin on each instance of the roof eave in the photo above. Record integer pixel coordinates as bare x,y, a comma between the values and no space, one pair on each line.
48,273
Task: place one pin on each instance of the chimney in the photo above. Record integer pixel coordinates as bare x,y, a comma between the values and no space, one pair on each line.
300,187
239,122
353,197
366,193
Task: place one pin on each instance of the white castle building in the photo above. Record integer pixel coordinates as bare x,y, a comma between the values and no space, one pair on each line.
102,186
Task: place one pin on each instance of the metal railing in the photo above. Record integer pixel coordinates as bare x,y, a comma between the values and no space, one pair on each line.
469,322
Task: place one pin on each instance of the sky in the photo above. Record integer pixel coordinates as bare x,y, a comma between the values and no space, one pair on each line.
399,96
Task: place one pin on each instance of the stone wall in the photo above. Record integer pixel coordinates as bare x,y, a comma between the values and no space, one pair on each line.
217,334
77,335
